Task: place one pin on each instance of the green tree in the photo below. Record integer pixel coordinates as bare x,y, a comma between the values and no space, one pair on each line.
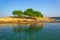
28,12
17,12
38,14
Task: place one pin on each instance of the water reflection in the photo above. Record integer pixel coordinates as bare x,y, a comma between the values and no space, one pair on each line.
30,31
29,28
34,28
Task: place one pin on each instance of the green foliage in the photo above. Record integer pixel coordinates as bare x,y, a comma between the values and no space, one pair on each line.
38,14
17,12
29,12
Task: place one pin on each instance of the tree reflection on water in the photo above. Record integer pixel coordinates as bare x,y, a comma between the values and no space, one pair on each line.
28,28
22,31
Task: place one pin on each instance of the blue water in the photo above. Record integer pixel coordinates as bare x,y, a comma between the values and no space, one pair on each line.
39,31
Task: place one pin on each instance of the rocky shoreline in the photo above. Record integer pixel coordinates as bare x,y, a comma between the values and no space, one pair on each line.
26,21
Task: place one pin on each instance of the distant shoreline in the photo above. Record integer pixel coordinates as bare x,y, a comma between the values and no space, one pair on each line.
53,17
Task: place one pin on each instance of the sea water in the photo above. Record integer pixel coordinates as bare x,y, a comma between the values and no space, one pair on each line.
39,31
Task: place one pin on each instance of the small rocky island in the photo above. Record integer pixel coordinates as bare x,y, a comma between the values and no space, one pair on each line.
25,20
28,16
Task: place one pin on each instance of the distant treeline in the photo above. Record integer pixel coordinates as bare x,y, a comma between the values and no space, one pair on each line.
54,17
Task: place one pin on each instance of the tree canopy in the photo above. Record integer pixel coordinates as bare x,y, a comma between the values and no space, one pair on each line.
29,12
17,12
38,14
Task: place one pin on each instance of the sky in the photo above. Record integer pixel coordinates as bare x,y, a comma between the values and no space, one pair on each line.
49,8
